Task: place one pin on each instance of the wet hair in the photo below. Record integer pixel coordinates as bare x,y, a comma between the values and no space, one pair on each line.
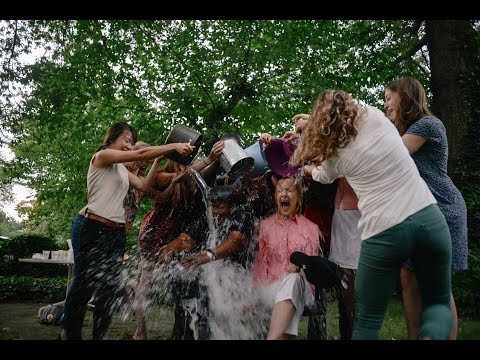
331,126
115,131
225,193
413,102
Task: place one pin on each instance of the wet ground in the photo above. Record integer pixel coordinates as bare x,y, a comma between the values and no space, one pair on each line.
19,321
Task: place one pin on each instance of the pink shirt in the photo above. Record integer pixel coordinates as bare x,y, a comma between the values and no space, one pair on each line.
277,240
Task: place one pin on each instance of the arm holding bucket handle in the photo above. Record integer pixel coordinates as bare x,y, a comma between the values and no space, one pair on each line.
112,156
291,135
214,155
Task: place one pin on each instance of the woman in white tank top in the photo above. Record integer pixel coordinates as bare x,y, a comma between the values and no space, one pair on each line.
102,234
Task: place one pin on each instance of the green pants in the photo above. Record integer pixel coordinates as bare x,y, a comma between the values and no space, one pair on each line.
424,237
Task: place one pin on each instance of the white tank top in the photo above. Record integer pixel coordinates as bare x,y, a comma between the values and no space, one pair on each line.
107,188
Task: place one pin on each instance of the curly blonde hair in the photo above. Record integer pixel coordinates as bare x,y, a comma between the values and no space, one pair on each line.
331,126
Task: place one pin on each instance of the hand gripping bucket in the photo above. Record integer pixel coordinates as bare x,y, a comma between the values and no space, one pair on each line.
183,134
278,153
257,153
234,160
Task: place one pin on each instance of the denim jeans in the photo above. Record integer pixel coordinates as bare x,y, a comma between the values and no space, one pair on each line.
98,264
75,230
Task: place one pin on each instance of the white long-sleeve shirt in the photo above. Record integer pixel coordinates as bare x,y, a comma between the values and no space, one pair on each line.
381,172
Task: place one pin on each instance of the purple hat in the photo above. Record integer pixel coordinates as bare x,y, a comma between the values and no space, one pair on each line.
278,153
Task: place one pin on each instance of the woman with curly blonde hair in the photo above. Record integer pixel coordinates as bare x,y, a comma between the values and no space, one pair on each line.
399,215
329,127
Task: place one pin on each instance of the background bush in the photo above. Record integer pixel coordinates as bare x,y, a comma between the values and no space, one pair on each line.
24,246
466,286
45,290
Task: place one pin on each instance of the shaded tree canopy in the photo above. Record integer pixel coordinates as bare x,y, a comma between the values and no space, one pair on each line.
241,76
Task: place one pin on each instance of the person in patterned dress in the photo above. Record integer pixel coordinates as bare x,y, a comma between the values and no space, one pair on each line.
425,137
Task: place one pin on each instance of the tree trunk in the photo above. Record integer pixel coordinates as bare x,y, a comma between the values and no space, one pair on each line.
451,47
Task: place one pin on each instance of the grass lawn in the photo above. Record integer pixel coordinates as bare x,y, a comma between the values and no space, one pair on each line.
19,321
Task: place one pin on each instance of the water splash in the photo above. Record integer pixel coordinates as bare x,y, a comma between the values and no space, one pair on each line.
202,185
235,310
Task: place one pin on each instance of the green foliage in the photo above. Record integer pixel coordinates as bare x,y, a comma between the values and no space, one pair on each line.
244,76
466,286
46,290
8,226
24,246
240,76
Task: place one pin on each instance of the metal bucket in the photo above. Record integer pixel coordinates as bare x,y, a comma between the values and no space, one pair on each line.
182,134
234,160
257,153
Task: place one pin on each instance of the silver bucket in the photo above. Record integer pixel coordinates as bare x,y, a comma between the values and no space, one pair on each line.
257,153
183,134
234,160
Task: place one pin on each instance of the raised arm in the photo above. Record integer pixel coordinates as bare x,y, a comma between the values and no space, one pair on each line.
112,156
168,192
214,155
145,184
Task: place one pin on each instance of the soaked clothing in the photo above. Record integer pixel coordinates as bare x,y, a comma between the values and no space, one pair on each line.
162,224
239,220
345,293
431,160
100,252
294,287
165,221
277,240
190,294
131,205
97,270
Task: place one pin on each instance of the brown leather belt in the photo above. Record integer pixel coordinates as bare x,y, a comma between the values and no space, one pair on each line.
106,222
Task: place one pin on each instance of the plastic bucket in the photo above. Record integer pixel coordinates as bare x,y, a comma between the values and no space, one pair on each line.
278,153
257,153
234,160
182,134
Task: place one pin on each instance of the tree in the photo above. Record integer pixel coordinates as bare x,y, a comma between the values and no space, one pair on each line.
452,47
8,226
215,76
